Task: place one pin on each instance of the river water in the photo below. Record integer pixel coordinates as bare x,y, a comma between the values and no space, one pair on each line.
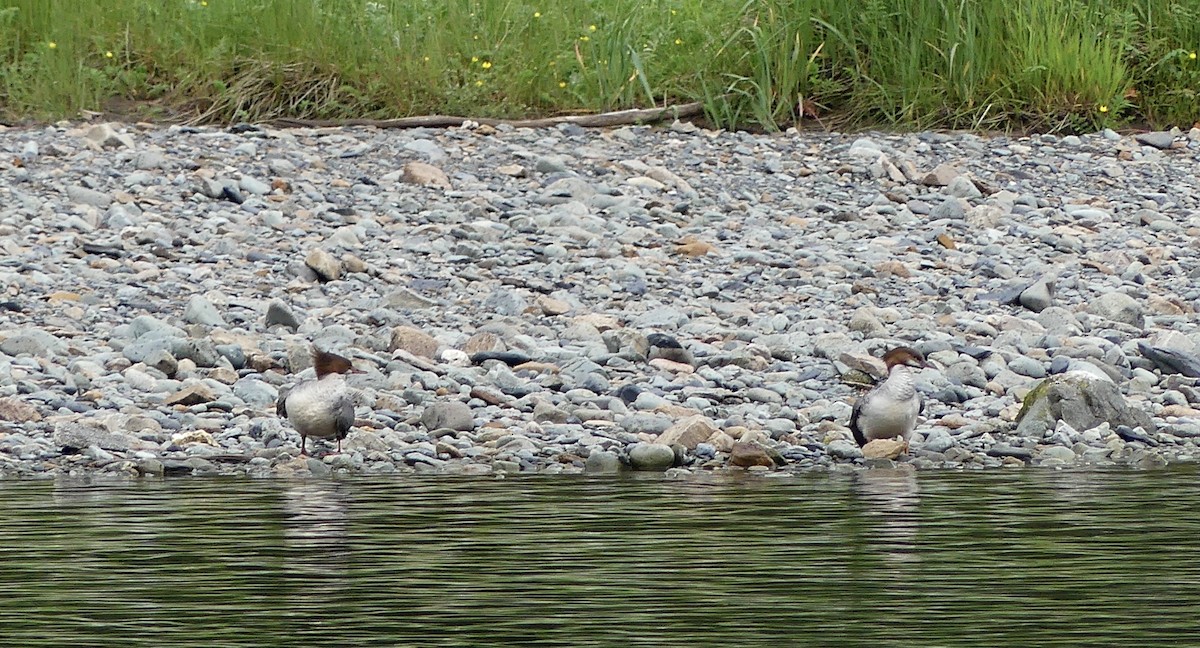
878,557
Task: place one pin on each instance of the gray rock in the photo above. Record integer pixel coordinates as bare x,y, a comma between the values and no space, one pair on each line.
150,348
661,318
160,358
651,456
1171,361
844,449
323,264
279,313
454,415
149,160
405,298
1027,366
1081,400
149,325
504,301
602,462
427,148
1060,453
1118,307
1157,139
29,152
254,186
210,188
201,311
255,392
89,196
763,395
1038,297
551,164
200,351
33,341
83,435
962,187
646,423
937,440
951,208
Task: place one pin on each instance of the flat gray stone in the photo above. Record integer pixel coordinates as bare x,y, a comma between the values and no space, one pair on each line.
454,415
1027,366
83,435
256,393
201,311
1157,139
89,196
254,186
844,449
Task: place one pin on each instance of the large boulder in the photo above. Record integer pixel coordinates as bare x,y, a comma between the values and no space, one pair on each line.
1080,399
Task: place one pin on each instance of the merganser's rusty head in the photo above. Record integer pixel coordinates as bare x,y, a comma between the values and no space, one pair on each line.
905,356
326,363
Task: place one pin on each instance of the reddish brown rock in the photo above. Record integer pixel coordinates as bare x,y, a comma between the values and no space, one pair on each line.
18,411
745,455
414,341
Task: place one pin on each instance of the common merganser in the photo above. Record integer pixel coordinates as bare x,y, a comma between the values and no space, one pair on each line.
890,409
322,408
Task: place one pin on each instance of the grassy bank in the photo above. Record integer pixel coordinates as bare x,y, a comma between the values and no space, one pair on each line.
1043,64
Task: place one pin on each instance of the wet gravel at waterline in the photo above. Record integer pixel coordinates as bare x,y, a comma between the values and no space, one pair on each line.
567,300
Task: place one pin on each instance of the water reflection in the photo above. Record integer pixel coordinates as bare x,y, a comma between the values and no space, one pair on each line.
892,497
996,559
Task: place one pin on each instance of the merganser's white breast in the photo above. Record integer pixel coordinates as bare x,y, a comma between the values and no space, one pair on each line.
321,408
890,409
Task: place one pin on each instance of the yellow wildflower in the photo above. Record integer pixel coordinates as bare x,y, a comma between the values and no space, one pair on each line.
487,65
562,84
203,3
479,82
1103,108
52,45
474,59
591,28
108,55
537,14
679,41
584,38
1191,56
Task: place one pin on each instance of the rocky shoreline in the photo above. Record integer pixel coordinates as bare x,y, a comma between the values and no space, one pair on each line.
567,300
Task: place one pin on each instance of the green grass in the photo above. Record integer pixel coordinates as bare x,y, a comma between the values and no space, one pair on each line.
981,64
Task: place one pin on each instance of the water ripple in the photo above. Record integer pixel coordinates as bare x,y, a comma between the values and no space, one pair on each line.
874,558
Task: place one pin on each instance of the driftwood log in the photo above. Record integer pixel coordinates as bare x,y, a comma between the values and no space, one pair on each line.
602,120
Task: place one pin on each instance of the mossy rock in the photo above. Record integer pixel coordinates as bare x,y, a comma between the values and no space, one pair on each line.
1080,399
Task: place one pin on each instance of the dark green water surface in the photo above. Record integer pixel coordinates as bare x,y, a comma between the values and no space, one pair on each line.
1021,558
